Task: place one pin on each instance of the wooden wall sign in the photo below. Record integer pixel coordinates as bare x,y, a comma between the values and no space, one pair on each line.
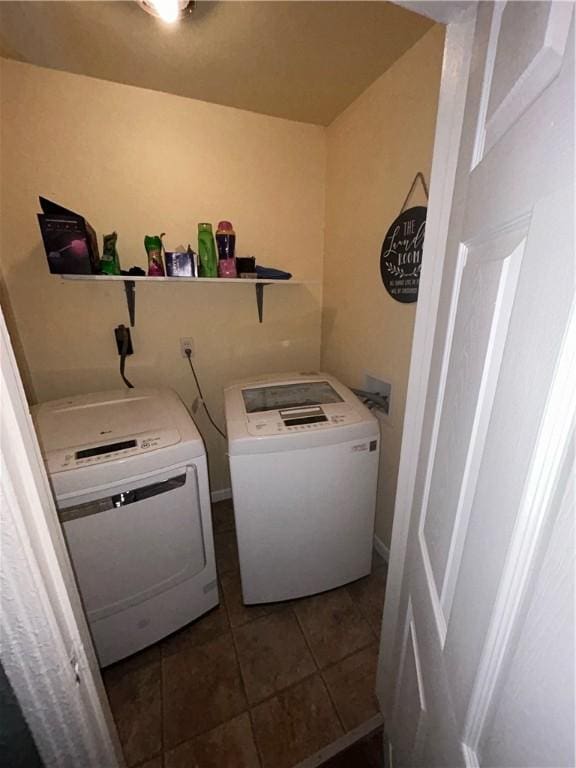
401,254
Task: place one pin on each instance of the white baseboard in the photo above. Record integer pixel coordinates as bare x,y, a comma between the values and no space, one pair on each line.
381,548
221,495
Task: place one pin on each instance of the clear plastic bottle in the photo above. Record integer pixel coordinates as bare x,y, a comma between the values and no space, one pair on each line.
207,251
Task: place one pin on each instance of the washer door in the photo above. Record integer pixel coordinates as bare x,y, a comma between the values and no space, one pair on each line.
142,538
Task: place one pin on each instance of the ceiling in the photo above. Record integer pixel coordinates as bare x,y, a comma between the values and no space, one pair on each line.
303,61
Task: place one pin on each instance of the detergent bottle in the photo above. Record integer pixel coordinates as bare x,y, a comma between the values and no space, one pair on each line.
153,245
226,244
207,251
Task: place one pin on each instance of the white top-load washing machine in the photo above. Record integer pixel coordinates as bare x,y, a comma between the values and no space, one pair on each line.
304,465
129,473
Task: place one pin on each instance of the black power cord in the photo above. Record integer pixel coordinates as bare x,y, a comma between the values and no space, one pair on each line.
123,353
198,387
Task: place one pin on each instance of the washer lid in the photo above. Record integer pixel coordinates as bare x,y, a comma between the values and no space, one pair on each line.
290,411
283,396
105,426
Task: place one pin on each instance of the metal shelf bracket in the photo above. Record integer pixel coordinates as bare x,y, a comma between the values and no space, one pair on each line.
130,288
260,300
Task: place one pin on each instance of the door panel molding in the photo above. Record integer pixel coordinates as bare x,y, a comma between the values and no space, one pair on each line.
495,349
433,593
537,75
470,757
545,470
410,678
469,353
439,407
480,141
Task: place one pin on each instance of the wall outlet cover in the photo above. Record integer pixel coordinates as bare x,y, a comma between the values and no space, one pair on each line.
186,343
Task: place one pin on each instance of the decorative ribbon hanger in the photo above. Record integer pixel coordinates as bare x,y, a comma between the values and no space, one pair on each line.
420,176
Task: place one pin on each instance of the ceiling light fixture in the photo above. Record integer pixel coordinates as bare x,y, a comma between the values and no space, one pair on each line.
168,10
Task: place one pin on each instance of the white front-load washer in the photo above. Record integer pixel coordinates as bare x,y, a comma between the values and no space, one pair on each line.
129,474
304,466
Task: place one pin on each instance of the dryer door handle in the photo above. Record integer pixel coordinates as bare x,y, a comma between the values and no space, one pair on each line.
121,499
147,491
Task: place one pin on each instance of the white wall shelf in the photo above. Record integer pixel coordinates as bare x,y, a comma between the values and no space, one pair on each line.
131,280
204,280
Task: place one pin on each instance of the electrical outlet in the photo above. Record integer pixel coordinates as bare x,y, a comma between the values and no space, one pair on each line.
186,344
378,387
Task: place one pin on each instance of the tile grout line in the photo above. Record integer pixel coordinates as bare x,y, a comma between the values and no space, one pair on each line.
375,637
144,665
311,651
283,690
322,670
217,725
319,672
249,707
345,730
364,615
333,664
228,631
334,707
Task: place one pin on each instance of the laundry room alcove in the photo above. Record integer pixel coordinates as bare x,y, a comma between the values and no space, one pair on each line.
309,153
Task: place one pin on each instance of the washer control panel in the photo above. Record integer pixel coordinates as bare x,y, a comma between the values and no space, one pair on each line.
83,456
293,420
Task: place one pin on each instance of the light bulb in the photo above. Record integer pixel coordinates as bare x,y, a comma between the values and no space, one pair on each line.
168,10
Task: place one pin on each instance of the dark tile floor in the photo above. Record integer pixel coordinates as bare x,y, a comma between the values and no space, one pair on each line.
251,686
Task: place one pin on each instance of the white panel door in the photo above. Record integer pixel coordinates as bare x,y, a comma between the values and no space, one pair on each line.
487,508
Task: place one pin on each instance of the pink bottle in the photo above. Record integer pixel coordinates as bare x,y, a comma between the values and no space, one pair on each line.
226,244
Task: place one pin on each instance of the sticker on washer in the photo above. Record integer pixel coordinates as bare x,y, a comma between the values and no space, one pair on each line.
359,447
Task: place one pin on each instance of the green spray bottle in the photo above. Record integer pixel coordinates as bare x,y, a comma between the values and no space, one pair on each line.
207,251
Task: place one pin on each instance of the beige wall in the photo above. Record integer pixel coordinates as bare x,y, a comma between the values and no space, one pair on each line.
143,162
374,150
